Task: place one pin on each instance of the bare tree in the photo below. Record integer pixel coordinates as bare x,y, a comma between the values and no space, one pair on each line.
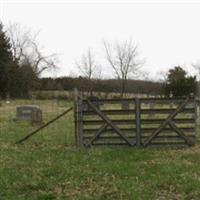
89,69
123,58
27,50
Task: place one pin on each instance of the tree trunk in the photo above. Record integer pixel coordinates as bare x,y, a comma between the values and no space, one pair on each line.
123,87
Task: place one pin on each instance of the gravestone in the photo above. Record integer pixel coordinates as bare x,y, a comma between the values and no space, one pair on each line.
29,113
7,99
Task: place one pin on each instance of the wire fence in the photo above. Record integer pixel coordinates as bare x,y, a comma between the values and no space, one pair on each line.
13,126
61,132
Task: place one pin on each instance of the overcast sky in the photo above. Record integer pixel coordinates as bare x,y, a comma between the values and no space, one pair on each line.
167,33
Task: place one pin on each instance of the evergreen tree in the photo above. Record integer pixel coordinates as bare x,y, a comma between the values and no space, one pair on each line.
6,63
179,84
16,80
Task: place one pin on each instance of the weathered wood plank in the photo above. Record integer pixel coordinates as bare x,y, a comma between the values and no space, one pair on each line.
165,100
167,137
109,122
169,118
143,111
138,125
117,121
158,121
143,121
109,129
168,143
111,112
166,110
148,100
143,130
110,143
111,101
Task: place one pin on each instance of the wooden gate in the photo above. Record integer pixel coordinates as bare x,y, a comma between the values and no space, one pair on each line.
135,122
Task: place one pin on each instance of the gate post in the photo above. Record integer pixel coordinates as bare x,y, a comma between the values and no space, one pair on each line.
138,121
80,122
76,116
78,119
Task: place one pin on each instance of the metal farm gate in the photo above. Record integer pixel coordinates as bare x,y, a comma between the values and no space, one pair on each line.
135,122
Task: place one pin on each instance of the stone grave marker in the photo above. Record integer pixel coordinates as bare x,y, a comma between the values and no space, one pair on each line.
29,113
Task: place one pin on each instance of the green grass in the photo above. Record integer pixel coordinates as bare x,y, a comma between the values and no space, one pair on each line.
48,166
61,172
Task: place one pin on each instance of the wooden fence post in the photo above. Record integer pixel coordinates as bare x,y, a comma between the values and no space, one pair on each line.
78,118
80,122
196,114
76,115
137,118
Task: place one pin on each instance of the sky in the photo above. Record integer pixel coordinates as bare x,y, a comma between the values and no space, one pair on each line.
167,32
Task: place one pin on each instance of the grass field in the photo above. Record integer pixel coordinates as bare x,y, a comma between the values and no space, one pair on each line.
49,166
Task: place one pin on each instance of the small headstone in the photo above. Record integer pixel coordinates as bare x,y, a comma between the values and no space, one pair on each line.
7,99
29,113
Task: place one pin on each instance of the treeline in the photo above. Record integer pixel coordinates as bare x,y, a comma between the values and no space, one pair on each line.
100,85
178,83
22,63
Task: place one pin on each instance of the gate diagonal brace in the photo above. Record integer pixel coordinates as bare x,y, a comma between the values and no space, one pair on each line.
180,133
97,134
166,122
109,122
